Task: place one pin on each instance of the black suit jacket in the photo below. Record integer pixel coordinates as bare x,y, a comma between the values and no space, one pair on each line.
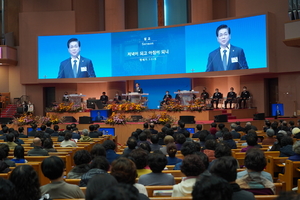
236,60
167,96
139,90
85,69
217,95
94,134
49,130
104,99
23,136
32,133
231,95
245,95
205,95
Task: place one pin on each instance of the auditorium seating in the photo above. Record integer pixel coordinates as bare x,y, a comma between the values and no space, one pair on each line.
275,165
291,173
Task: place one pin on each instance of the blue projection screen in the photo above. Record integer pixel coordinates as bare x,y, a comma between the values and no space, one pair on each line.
159,51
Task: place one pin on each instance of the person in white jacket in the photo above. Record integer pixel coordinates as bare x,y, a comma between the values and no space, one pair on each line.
192,166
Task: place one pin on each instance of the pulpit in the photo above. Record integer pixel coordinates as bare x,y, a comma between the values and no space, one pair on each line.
186,96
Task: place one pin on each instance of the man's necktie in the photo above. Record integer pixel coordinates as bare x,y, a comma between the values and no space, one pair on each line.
75,68
225,60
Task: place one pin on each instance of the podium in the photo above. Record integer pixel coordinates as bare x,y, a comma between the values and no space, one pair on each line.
186,96
76,99
135,97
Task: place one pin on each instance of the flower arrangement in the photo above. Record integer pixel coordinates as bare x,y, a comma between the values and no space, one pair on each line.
116,118
198,105
162,118
126,107
28,119
65,107
173,106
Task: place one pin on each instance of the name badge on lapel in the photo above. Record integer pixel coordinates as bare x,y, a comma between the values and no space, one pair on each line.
234,59
83,69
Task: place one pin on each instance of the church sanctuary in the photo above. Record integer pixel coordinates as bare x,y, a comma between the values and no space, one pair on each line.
149,99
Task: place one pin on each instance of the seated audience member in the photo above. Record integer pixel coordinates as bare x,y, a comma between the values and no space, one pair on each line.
199,129
124,170
161,137
291,125
110,147
82,159
286,149
61,136
274,126
48,128
188,148
202,137
269,140
252,143
181,128
210,147
67,141
143,139
296,149
222,149
225,168
131,144
53,169
212,187
227,138
146,147
219,133
68,129
85,136
21,132
26,181
33,132
17,140
152,130
98,184
122,191
48,145
19,155
187,135
43,133
97,128
204,160
296,132
4,167
75,134
213,128
98,150
157,162
249,126
238,127
99,165
267,125
7,190
179,140
255,179
277,145
10,138
55,130
155,146
170,131
37,148
234,133
192,166
172,150
140,158
167,140
4,158
93,133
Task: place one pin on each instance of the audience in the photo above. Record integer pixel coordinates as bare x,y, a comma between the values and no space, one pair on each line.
4,167
161,137
140,158
4,158
122,192
222,149
296,132
110,147
37,149
192,166
75,134
152,130
7,190
234,133
93,133
227,138
277,145
199,129
269,140
167,140
55,131
33,132
210,146
251,142
219,133
146,147
21,132
98,150
155,146
172,150
10,138
48,145
19,155
188,148
143,139
286,149
213,128
179,140
53,169
82,159
202,137
238,127
85,136
131,144
67,141
296,149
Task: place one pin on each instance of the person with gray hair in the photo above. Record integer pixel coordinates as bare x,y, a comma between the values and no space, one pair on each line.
235,135
269,140
283,132
85,137
296,149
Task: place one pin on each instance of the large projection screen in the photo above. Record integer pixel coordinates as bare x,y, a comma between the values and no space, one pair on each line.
178,50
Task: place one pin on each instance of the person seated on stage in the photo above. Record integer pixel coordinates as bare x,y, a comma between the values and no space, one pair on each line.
204,94
244,97
65,97
104,98
231,96
117,98
216,97
177,97
138,89
166,98
128,97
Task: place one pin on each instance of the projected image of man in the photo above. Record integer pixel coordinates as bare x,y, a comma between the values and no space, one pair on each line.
227,56
76,66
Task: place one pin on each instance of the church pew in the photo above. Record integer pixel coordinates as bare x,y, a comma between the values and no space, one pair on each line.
275,165
291,172
240,156
175,173
257,197
5,175
151,189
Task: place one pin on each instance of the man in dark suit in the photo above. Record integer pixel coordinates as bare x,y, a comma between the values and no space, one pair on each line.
216,97
177,97
93,133
227,56
117,98
104,98
230,97
167,97
33,132
199,129
55,132
204,94
49,129
244,97
152,130
77,66
138,89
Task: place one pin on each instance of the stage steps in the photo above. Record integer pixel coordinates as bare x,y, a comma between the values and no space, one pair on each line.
229,115
9,111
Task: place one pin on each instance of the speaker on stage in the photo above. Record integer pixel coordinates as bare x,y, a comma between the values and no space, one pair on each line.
221,118
187,119
69,119
259,116
85,120
136,118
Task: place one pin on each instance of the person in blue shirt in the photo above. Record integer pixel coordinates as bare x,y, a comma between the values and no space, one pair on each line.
172,150
19,155
110,147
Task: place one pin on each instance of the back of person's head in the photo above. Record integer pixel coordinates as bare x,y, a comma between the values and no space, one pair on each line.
33,126
139,131
7,190
270,132
199,127
53,167
98,150
291,123
135,134
189,148
164,129
109,144
251,141
180,138
296,147
169,131
210,187
10,137
181,124
26,182
21,129
233,125
143,137
154,139
82,157
19,152
43,128
274,125
157,162
148,133
225,167
98,184
186,133
5,129
255,160
145,146
124,170
3,125
100,162
210,137
69,127
168,125
161,135
48,123
73,126
97,126
221,126
192,165
168,139
68,136
56,127
204,158
227,136
85,132
286,140
283,132
140,158
152,126
210,144
3,154
131,143
171,150
48,143
120,191
91,128
222,149
5,149
202,135
146,125
214,125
